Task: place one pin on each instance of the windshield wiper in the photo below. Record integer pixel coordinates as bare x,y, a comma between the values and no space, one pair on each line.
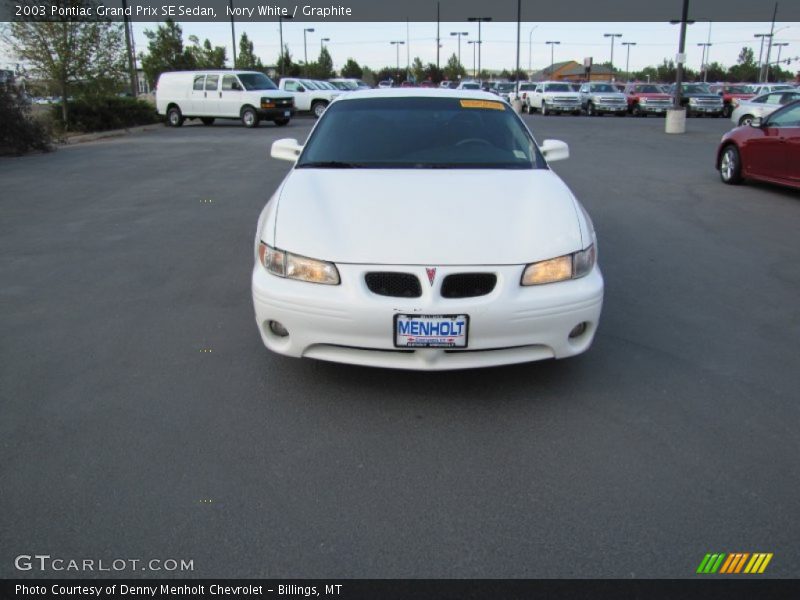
330,164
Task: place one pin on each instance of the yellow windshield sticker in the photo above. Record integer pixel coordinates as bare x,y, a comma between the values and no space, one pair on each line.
482,104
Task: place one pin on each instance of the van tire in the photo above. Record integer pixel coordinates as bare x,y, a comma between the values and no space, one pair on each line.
318,107
207,121
174,117
249,117
282,121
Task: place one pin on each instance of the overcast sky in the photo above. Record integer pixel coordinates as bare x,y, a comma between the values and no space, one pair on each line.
368,43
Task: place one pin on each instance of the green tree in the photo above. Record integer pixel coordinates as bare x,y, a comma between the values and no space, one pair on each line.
433,73
323,68
205,55
745,68
165,51
286,66
454,69
246,59
417,69
368,75
352,70
68,52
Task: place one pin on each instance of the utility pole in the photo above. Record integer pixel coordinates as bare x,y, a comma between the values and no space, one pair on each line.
130,51
439,41
233,34
519,24
769,45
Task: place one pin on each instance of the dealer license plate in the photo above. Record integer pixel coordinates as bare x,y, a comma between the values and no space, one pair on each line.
431,331
287,113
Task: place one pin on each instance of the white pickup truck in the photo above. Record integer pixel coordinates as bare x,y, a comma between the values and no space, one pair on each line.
554,97
308,95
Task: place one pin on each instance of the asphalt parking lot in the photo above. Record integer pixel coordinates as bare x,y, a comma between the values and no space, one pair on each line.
142,417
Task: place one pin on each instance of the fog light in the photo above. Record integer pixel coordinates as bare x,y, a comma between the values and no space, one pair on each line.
578,330
278,329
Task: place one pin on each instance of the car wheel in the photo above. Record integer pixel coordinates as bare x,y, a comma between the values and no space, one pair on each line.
636,111
726,111
249,117
590,110
174,117
282,121
730,165
207,121
544,109
746,120
318,108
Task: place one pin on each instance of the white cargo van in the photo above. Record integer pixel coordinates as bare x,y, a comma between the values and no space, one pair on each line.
207,95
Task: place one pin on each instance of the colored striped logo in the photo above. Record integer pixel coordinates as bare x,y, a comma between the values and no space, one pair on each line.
736,562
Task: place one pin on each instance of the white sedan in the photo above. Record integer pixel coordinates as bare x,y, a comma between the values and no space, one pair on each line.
388,245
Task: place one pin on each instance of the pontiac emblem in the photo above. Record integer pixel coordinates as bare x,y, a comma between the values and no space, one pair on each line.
431,274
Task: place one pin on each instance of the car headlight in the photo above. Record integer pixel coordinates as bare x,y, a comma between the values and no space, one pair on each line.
292,266
569,266
692,100
642,100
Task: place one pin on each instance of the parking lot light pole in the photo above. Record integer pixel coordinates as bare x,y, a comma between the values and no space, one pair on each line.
305,44
779,45
459,34
281,19
474,44
530,50
479,21
612,36
397,44
703,62
681,53
628,58
760,53
552,45
233,34
321,44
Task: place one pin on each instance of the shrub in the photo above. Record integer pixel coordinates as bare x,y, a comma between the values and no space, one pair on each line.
19,132
102,114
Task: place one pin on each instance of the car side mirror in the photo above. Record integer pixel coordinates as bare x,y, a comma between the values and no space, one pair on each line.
554,150
300,88
286,149
757,122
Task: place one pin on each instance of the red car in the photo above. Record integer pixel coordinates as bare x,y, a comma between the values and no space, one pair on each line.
767,150
731,95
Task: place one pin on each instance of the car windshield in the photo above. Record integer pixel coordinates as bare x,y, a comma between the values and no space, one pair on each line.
309,85
470,86
256,81
603,87
647,89
738,89
695,88
526,87
557,87
504,87
420,133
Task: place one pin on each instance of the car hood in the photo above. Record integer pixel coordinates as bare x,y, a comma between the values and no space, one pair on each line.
424,216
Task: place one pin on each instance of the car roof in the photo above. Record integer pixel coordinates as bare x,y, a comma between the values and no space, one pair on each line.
417,93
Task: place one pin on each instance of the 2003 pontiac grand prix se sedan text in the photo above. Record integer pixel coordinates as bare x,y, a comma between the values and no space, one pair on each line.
388,245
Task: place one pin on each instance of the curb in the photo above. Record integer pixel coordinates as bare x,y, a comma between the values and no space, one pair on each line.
99,135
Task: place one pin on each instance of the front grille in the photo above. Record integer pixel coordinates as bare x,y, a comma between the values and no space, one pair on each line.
612,100
565,99
400,285
468,285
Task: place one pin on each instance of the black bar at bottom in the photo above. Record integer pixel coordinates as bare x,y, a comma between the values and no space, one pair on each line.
706,588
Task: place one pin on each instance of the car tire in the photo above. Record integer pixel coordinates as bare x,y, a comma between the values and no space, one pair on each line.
745,120
544,109
726,111
249,117
174,117
590,112
207,121
636,111
282,121
730,165
318,108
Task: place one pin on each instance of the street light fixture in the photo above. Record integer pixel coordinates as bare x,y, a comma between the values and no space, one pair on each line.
613,36
779,45
305,45
459,34
397,44
628,58
552,45
479,21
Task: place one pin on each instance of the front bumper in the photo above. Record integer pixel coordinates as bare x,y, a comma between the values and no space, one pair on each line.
268,114
658,109
348,323
697,109
611,108
563,107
